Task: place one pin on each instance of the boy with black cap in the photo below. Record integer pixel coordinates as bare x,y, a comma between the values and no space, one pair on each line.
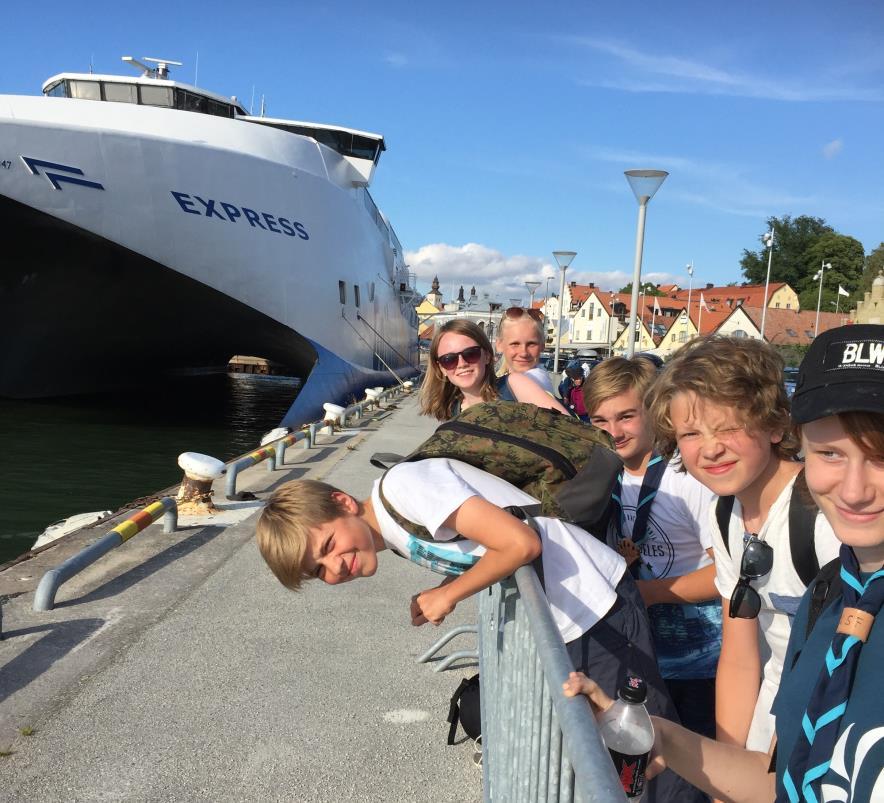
829,709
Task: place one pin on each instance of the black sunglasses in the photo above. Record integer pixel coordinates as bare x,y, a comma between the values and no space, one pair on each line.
757,561
471,356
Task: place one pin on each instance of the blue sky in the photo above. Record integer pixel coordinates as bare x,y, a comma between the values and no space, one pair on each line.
509,124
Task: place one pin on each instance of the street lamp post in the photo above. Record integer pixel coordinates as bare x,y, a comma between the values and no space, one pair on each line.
610,324
563,259
532,288
768,240
819,298
690,268
644,184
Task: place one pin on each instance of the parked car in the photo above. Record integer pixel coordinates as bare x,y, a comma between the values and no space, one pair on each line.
790,377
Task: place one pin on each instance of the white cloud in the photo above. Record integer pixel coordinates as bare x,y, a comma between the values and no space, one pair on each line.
501,276
662,73
833,148
394,59
716,185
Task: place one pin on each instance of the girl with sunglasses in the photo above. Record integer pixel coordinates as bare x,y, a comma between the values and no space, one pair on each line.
461,374
829,710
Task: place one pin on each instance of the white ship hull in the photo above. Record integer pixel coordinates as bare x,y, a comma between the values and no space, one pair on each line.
141,241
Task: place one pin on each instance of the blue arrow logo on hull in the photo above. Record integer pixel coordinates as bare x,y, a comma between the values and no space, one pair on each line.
56,178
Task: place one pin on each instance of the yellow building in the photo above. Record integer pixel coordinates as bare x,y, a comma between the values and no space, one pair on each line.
871,308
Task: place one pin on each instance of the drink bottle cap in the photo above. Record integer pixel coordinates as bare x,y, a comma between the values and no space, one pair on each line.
633,690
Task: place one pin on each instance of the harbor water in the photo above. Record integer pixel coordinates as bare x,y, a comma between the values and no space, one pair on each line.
60,457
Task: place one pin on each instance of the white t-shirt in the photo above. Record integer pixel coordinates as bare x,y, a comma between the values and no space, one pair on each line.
780,593
541,377
580,573
688,636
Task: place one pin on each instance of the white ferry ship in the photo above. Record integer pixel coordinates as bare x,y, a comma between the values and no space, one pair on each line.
150,227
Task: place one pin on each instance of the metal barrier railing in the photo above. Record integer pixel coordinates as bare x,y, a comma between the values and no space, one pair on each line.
537,744
167,507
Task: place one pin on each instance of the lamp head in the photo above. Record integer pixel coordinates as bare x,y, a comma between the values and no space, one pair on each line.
645,183
563,258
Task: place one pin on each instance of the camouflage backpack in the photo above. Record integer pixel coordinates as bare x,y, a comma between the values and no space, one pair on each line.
569,466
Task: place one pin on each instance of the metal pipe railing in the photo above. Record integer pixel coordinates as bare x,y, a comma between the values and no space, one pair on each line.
243,463
455,656
288,440
274,452
167,507
537,744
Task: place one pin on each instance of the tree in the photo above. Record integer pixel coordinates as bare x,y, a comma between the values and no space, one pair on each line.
874,264
846,256
801,246
792,238
648,288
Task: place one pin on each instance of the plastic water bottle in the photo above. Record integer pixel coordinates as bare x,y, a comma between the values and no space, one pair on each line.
628,734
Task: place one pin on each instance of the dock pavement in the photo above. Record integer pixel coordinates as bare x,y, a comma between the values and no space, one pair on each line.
177,668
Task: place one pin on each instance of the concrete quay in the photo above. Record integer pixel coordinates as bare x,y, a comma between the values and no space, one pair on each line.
177,668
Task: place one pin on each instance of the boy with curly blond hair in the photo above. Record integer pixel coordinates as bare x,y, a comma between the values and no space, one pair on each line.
722,404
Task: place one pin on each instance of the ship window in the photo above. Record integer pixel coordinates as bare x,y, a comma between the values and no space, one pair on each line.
59,90
120,93
371,292
190,102
86,90
342,291
356,294
156,95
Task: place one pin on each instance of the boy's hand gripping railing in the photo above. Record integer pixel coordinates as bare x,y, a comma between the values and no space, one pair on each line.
44,599
537,744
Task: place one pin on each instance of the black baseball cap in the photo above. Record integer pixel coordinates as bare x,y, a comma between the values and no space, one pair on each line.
843,371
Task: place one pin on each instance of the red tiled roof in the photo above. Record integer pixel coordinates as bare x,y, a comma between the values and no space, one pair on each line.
784,327
751,295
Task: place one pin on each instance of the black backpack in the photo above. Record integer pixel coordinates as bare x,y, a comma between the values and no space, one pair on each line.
802,518
465,708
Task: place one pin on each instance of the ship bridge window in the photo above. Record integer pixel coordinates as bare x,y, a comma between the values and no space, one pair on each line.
342,291
57,90
191,102
156,95
345,143
85,90
120,93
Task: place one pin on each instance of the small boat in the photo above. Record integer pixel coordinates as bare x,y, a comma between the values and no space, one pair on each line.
69,525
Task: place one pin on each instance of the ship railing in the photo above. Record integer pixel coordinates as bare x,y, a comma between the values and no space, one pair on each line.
537,744
167,507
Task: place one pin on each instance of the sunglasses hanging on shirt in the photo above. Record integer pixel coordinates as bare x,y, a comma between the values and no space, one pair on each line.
756,562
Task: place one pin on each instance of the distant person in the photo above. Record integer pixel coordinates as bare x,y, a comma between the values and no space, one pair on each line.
829,708
520,340
461,374
660,523
572,371
721,403
310,530
575,397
